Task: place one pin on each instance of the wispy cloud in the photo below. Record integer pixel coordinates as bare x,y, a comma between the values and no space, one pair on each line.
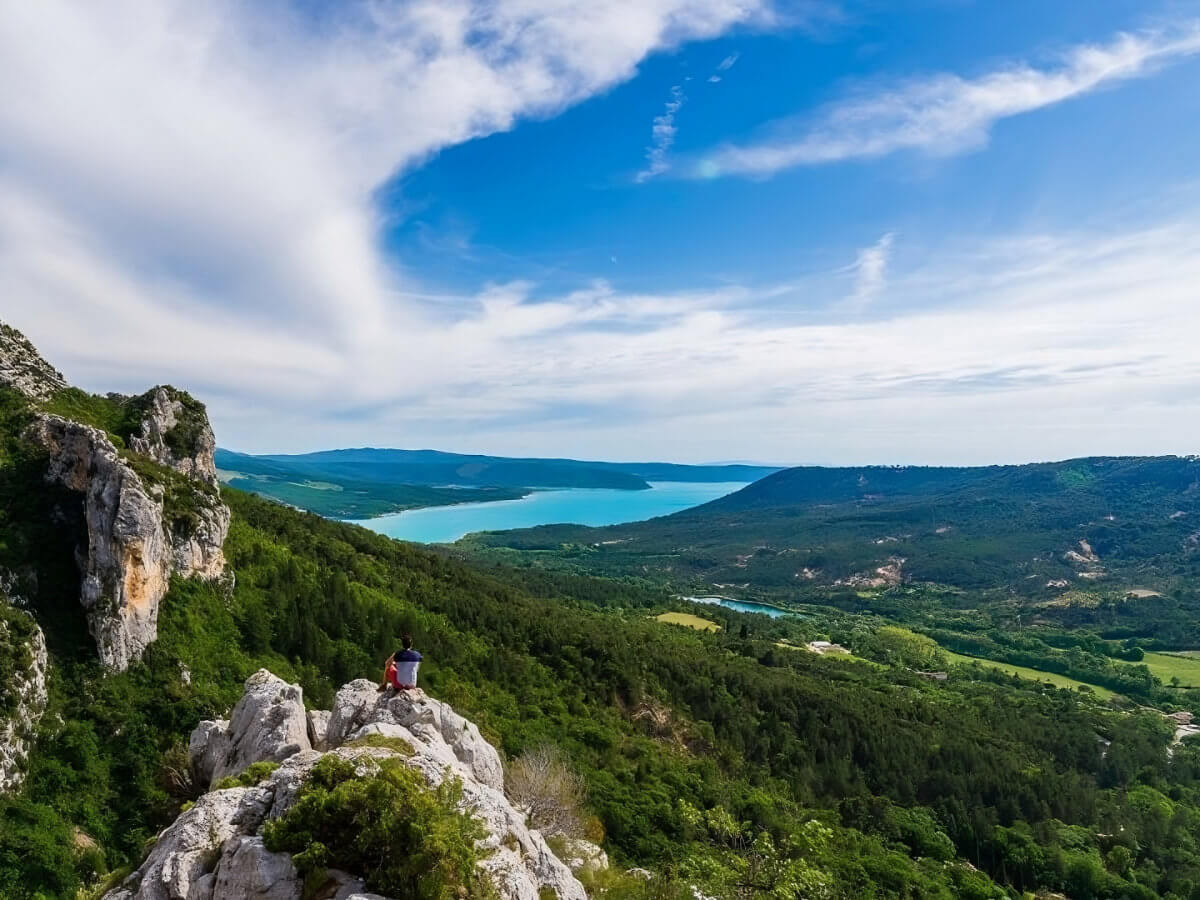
723,66
946,113
662,136
870,272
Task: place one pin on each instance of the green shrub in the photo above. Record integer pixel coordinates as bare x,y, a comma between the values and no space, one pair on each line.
116,416
395,744
405,839
255,773
36,849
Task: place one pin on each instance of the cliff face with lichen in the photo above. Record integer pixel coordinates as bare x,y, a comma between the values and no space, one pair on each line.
143,485
22,684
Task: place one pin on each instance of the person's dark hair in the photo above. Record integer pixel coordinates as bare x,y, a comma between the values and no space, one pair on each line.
407,641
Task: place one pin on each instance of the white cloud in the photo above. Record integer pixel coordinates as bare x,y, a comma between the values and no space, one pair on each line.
1043,346
185,196
662,136
179,174
870,272
946,113
1028,347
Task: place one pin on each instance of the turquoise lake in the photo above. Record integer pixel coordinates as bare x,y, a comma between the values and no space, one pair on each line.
577,506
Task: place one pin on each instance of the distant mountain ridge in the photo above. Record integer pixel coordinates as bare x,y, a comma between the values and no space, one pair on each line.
421,461
1108,523
360,482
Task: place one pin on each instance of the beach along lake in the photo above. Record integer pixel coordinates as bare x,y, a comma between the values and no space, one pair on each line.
576,506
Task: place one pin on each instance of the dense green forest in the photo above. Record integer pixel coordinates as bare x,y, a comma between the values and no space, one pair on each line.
901,775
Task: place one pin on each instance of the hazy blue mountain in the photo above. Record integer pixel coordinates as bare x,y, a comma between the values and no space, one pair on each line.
357,483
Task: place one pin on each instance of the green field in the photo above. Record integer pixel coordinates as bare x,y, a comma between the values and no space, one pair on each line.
1032,674
678,618
1165,665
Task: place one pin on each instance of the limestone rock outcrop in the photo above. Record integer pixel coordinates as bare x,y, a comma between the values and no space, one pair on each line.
23,368
215,849
175,433
135,539
24,695
149,513
267,724
359,710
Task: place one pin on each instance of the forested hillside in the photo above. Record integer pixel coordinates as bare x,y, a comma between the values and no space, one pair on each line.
902,774
1012,528
726,758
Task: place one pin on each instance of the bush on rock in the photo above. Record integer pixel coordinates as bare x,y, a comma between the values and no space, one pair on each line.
406,840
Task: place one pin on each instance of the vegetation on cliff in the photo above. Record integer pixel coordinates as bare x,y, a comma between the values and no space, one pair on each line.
403,838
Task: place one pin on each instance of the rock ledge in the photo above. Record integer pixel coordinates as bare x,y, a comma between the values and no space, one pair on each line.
215,849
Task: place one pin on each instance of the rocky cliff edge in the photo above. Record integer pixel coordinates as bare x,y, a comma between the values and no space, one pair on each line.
216,849
147,486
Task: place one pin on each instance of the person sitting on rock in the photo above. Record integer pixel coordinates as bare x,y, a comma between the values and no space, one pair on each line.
401,669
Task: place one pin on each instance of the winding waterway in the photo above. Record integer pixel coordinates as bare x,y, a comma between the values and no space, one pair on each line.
744,606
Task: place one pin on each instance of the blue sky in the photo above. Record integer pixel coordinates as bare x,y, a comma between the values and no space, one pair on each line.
942,232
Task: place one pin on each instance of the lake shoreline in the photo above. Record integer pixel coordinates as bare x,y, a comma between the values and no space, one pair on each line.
751,606
585,507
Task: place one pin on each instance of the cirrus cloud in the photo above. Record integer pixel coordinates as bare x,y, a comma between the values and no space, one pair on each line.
945,114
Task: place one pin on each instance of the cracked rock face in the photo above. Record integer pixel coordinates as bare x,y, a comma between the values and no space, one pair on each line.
28,693
267,724
215,849
132,550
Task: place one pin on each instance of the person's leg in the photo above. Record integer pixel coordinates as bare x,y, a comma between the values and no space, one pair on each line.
388,674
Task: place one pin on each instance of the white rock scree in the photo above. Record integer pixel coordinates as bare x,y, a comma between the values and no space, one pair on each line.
215,850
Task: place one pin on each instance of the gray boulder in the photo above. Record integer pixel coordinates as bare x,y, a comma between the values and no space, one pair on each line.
209,746
182,863
584,856
441,731
249,871
267,724
318,726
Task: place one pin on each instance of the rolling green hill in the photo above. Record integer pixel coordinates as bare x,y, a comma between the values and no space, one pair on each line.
438,467
1011,528
329,494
